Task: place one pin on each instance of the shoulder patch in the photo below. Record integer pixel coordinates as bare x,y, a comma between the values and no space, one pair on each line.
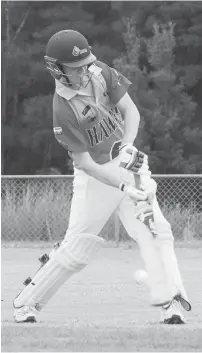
57,130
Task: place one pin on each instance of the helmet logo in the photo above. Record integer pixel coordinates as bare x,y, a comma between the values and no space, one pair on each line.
77,51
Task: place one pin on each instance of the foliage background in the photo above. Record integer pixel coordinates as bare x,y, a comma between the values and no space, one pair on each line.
158,45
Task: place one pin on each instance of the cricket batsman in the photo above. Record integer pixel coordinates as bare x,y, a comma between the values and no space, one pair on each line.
96,121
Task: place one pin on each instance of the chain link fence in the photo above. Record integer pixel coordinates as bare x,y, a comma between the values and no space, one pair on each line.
36,208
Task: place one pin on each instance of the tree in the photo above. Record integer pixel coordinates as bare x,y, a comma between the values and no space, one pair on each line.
25,82
167,133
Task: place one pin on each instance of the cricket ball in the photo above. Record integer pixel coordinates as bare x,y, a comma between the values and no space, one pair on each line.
141,277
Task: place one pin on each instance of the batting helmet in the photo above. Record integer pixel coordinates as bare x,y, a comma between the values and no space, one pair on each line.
67,47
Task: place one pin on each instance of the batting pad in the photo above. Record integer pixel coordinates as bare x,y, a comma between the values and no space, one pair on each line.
72,256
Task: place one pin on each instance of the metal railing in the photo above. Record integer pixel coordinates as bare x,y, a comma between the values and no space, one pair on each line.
36,208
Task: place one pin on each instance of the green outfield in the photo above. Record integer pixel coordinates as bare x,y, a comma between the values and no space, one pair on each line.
101,308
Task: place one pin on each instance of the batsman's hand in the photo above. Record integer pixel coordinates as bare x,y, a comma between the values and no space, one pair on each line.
135,194
149,187
133,160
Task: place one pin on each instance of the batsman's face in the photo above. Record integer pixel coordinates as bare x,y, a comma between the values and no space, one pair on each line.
78,76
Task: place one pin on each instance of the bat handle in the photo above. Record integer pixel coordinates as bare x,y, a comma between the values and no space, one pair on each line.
137,181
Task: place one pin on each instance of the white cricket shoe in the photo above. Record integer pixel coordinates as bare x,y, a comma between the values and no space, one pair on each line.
171,314
25,314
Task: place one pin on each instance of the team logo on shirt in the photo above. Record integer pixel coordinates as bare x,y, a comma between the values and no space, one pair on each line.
91,117
105,128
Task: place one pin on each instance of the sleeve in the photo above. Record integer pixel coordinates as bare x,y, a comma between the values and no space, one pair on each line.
66,127
117,84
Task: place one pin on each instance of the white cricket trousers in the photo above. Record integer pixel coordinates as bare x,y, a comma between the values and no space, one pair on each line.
92,205
94,202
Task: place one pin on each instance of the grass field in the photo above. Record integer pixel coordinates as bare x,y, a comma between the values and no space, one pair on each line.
101,309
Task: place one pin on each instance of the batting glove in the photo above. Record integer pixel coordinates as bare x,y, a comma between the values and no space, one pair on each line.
133,160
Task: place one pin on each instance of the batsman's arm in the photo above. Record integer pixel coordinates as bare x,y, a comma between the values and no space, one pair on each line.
131,118
117,88
108,173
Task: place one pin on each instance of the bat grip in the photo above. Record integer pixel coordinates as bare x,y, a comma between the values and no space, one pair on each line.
137,181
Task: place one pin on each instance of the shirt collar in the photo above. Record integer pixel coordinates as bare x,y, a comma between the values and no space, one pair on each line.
68,93
64,91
